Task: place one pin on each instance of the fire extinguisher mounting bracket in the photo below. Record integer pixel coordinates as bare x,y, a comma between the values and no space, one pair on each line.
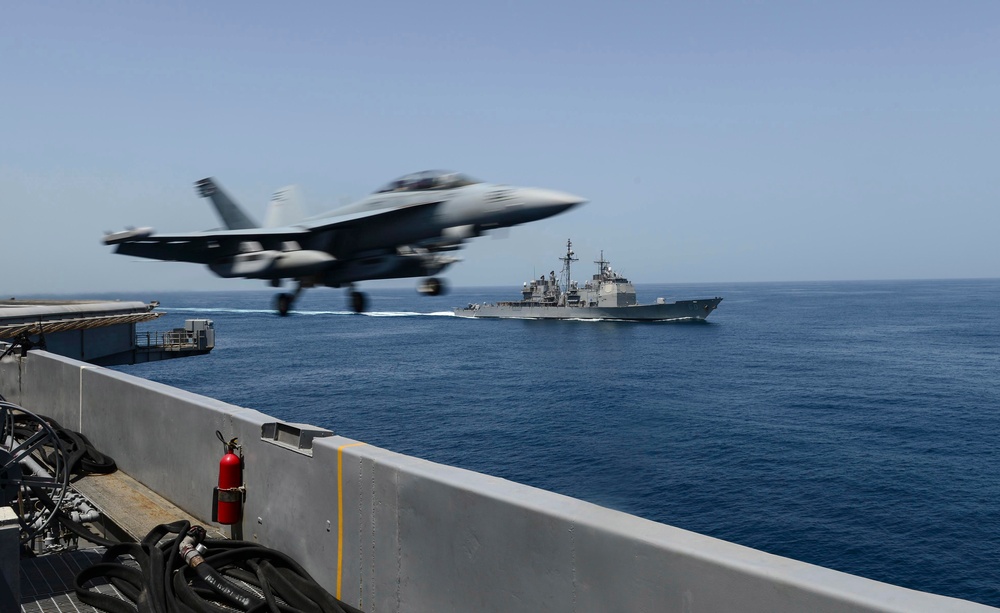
296,437
232,494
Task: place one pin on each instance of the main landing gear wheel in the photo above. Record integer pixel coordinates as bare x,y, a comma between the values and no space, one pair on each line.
432,287
358,302
34,492
283,303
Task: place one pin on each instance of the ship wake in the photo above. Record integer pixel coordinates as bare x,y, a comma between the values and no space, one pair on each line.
221,311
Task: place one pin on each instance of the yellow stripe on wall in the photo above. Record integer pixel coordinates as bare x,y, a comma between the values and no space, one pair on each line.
340,511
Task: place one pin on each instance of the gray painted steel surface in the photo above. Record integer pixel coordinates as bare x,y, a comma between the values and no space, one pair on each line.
607,295
682,310
389,532
100,332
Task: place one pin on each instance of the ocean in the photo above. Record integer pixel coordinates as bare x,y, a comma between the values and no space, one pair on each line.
851,425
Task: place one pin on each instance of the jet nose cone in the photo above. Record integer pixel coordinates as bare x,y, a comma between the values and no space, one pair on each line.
549,200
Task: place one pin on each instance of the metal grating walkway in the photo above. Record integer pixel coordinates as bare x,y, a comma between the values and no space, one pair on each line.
47,582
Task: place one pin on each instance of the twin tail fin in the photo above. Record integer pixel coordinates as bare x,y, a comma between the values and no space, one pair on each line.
284,209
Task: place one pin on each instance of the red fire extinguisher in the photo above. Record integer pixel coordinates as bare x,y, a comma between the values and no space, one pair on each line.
227,507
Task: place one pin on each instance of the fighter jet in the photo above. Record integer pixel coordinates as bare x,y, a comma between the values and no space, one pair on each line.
405,229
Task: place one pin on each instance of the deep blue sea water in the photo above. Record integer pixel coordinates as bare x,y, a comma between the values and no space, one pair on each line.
852,425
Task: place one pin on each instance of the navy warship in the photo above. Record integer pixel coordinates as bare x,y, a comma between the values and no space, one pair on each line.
607,295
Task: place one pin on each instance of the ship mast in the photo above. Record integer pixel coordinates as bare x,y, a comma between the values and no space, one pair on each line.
566,262
600,265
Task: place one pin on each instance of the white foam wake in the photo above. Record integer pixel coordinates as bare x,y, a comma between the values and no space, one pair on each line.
296,312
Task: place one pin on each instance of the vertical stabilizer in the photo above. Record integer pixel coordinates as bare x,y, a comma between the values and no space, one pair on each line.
230,212
285,208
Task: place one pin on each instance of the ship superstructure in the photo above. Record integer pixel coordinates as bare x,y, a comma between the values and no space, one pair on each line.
606,295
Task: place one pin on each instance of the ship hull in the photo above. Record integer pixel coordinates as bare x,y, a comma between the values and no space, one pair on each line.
682,310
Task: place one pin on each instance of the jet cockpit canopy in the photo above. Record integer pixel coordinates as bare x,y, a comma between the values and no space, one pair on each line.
428,179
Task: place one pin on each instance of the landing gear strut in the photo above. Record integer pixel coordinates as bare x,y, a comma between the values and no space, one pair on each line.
358,301
432,287
284,302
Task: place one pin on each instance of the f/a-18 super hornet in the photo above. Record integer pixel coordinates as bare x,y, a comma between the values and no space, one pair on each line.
405,229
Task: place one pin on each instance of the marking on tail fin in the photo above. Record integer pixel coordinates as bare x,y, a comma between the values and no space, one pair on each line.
284,209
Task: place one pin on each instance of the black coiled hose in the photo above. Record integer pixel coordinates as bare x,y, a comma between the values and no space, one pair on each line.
163,583
81,456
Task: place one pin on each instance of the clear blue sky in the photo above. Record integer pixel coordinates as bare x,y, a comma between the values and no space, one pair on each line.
716,141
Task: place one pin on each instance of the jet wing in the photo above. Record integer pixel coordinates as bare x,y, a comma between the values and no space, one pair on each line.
201,247
209,246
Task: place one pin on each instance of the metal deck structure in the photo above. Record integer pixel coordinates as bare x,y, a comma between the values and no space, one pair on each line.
130,509
101,332
47,581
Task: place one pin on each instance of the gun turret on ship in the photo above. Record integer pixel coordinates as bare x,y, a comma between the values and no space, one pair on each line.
607,295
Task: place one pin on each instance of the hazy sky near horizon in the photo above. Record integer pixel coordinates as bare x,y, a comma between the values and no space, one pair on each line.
716,141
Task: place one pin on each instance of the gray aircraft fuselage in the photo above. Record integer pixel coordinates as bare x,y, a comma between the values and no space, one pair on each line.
441,217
